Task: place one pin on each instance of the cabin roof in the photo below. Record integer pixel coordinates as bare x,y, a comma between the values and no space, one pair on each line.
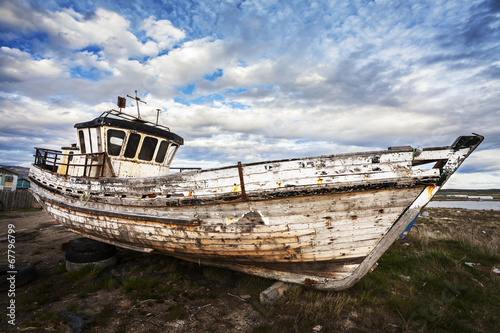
125,121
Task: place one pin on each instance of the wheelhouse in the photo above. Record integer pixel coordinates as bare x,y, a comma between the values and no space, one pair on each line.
116,144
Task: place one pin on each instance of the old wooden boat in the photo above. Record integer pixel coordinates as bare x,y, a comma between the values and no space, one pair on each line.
319,221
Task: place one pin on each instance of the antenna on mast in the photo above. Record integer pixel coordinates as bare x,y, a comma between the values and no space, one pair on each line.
137,99
157,115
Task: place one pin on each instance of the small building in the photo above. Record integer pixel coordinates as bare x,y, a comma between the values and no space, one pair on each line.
22,183
8,179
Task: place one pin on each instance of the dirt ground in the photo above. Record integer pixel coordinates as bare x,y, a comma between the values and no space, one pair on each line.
35,231
205,305
157,293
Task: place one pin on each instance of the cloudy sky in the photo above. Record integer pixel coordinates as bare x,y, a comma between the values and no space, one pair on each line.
257,80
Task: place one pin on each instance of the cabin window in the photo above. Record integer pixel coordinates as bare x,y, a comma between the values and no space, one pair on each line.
148,148
132,144
115,141
81,136
171,152
162,151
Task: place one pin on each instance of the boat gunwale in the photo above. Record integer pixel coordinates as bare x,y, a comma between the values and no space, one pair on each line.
264,163
256,195
331,156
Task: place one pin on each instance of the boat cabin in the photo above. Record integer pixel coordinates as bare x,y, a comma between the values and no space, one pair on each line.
115,144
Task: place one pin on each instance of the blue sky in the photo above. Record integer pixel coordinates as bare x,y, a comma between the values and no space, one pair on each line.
257,80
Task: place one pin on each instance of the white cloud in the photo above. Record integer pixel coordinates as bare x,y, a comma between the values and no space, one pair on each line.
31,116
163,32
313,78
190,62
16,65
338,76
475,180
257,73
484,160
28,123
68,29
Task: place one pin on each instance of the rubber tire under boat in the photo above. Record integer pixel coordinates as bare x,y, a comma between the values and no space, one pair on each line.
88,245
101,264
85,251
25,273
87,257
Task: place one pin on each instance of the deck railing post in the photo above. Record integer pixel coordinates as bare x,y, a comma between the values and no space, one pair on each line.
85,166
44,164
67,164
55,162
103,159
242,183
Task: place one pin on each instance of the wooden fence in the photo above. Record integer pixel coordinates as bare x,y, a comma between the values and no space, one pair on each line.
16,199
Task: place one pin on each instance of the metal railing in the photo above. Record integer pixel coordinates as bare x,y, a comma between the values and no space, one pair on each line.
52,160
93,166
182,169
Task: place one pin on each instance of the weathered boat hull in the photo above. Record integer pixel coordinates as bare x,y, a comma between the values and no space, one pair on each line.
320,221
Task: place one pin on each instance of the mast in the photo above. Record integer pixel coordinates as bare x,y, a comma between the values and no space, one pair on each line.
137,99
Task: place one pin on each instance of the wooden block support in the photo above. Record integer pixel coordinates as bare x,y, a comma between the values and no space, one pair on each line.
273,293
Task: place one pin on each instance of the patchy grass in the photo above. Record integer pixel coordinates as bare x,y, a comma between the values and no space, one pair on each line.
218,274
251,285
177,311
43,293
101,318
83,275
49,320
36,251
420,284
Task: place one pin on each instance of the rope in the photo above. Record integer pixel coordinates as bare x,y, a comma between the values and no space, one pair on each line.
82,198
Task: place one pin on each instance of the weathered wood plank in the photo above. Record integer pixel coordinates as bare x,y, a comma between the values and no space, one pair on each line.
273,293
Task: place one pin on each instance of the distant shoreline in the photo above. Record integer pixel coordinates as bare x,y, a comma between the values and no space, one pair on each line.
467,195
475,205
